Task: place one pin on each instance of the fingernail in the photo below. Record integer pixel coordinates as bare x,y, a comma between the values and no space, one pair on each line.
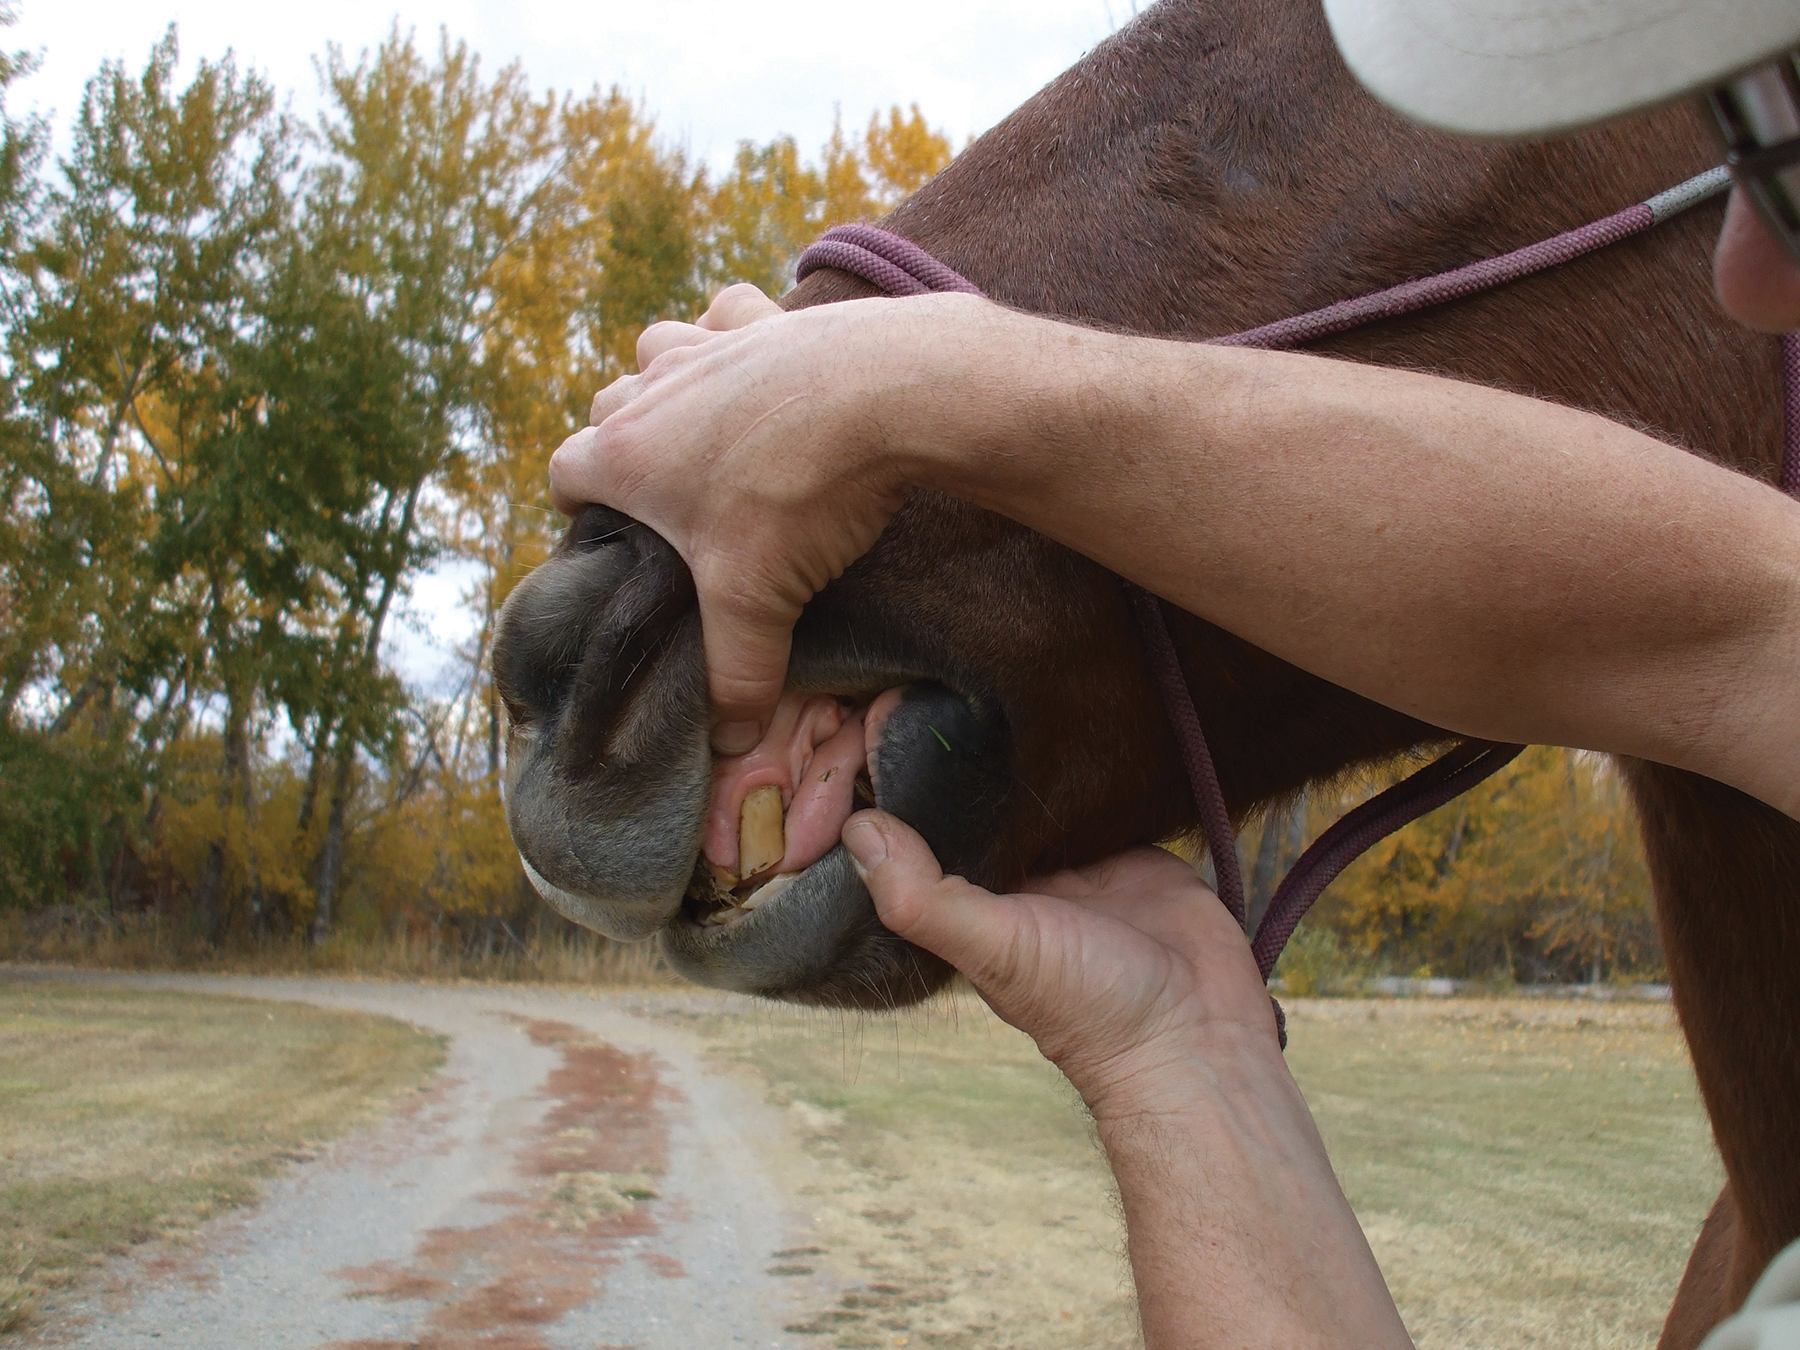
866,844
736,738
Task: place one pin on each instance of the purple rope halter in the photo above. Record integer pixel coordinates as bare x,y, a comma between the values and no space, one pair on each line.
900,267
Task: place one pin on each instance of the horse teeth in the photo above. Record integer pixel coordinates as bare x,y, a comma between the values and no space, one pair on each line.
766,892
762,831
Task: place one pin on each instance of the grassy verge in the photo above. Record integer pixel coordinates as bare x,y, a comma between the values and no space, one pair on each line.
1528,1173
137,1114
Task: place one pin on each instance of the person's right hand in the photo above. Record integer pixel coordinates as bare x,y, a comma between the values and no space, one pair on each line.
756,443
1127,974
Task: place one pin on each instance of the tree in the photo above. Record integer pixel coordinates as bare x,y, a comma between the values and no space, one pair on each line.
430,178
902,154
611,244
135,298
1536,873
258,376
771,204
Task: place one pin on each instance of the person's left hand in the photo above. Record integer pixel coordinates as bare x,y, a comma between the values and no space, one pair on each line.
1126,974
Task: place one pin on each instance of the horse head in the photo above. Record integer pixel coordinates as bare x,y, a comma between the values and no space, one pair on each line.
1210,168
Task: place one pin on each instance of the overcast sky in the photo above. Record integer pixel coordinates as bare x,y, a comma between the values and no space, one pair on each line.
712,72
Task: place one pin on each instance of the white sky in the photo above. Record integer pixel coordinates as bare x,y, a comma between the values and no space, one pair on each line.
711,72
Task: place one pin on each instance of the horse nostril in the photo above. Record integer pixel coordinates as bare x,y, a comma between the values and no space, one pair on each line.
534,663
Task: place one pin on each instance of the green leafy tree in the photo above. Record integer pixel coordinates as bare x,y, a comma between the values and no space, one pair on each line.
429,180
136,297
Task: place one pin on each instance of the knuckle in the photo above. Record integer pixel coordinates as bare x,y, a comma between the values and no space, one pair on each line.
736,296
734,589
616,396
737,306
651,341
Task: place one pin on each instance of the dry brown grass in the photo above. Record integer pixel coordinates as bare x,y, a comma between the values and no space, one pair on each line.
146,942
1529,1173
135,1114
952,1175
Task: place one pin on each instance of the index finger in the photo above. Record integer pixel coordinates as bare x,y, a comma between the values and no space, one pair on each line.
746,665
573,468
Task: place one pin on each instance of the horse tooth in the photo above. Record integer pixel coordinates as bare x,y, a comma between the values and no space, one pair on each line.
771,888
762,831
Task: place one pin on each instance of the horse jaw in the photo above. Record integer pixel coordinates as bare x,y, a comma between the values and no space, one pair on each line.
609,779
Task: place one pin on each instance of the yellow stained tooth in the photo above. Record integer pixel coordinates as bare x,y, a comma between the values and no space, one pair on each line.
762,832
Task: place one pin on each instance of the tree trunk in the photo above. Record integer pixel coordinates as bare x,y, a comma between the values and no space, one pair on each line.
1265,872
493,746
1283,840
315,771
78,700
207,892
1454,845
331,857
239,790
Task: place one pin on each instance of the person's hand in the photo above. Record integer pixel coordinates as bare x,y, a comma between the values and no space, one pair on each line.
753,442
1125,973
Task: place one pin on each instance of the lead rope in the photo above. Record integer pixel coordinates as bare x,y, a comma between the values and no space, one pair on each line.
898,266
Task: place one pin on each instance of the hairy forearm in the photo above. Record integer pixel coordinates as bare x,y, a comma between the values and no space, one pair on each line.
1239,1233
1497,565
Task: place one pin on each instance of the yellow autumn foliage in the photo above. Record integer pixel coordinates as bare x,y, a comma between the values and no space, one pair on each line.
1535,875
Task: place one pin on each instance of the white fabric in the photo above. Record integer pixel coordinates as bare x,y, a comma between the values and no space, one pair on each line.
1514,67
1771,1316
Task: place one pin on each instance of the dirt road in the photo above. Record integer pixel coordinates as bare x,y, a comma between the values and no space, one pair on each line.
574,1177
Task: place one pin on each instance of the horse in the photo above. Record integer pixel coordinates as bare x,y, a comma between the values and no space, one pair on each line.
1209,168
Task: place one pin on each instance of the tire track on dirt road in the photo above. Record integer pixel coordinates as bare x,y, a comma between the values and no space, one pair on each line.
573,1177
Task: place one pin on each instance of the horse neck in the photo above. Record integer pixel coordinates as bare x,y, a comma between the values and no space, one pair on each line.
1245,178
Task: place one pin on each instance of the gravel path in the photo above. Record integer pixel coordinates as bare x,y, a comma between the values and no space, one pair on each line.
575,1177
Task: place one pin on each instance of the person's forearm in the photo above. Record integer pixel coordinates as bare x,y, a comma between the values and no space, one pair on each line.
1239,1233
1499,566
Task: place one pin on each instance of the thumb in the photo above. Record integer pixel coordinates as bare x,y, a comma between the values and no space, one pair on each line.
990,939
746,664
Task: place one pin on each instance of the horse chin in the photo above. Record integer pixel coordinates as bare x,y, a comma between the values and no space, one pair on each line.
624,921
816,939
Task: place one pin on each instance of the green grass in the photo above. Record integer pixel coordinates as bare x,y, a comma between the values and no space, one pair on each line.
1529,1173
137,1114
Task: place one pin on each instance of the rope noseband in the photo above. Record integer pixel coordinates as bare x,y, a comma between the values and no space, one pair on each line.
898,266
